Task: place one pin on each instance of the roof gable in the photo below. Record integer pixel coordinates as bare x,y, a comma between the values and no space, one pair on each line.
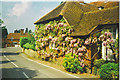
53,14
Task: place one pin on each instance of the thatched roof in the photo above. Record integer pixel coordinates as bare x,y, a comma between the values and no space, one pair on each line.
73,12
105,5
70,10
84,17
91,20
53,14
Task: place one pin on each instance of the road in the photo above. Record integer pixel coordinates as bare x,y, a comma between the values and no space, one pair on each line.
16,66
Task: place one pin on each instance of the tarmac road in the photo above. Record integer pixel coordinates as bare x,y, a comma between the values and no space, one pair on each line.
16,66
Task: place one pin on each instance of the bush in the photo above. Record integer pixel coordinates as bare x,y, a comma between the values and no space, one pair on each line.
99,62
29,46
26,46
95,70
109,70
71,64
24,40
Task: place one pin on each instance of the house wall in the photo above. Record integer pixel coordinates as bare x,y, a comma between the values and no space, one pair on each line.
10,43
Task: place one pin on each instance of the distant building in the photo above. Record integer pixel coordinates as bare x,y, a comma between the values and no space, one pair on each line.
14,38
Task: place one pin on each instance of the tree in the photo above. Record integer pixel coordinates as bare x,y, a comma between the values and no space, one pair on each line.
30,31
16,31
61,2
4,29
4,32
1,22
26,31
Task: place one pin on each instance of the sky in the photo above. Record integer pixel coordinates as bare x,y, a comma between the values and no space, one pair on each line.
21,14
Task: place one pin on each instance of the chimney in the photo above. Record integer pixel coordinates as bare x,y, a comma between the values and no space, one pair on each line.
21,31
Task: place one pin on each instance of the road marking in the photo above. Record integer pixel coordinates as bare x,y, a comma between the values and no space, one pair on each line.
51,67
10,61
25,75
4,55
16,66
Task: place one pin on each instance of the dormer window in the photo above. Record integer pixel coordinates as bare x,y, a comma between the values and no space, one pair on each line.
82,3
100,7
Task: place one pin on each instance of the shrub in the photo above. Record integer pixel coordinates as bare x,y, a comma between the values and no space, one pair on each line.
80,68
24,40
95,70
71,64
26,46
109,70
29,46
98,62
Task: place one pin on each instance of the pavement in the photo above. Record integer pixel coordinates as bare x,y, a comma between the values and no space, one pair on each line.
15,66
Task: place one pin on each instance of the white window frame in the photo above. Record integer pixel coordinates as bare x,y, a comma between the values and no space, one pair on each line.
109,52
52,45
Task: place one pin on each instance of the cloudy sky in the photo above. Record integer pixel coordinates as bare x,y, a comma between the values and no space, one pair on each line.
21,14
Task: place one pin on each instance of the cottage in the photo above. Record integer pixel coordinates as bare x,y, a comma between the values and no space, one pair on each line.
13,38
87,19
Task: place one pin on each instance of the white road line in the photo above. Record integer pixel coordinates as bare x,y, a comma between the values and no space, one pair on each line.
16,66
25,75
50,67
10,61
4,55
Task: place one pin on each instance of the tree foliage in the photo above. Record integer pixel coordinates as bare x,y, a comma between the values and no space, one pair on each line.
26,31
24,40
109,70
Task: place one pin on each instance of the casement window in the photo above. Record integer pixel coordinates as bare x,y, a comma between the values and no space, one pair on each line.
52,45
114,30
101,7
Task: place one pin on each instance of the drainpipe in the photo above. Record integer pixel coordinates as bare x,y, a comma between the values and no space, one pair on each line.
106,55
91,59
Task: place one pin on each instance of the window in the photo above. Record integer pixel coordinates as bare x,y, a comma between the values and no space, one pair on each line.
52,45
114,31
113,28
100,7
82,3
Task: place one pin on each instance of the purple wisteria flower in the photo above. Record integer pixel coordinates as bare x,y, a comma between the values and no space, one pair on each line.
65,25
87,41
106,33
73,41
105,43
60,24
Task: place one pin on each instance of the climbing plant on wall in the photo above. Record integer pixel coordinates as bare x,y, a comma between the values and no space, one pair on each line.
56,36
